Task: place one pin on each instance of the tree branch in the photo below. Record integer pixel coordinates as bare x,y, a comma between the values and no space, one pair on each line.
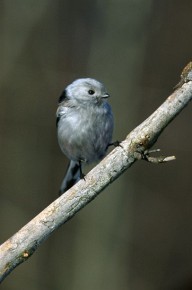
23,244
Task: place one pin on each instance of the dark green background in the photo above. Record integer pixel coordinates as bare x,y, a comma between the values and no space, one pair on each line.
137,234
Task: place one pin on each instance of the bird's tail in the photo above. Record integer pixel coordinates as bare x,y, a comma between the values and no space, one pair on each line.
72,176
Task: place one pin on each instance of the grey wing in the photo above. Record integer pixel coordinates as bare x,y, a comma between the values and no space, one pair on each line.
57,120
61,112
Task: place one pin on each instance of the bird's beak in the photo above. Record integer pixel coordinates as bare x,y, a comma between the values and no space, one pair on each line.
105,96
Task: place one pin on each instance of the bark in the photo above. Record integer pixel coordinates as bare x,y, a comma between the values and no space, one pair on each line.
136,146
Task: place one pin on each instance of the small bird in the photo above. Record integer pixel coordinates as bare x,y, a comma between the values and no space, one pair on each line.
84,126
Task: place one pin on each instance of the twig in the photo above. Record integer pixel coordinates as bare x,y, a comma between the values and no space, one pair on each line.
159,159
22,245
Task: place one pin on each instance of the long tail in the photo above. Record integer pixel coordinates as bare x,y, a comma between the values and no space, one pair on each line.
73,175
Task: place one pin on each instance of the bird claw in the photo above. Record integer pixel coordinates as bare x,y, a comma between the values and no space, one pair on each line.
115,144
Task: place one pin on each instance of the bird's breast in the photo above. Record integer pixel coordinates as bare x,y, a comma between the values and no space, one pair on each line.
85,134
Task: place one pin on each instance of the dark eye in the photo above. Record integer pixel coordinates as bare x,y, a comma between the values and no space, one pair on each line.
91,92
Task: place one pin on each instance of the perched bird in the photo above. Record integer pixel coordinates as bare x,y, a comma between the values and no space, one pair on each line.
84,126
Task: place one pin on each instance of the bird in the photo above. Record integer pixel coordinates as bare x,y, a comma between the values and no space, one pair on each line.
85,123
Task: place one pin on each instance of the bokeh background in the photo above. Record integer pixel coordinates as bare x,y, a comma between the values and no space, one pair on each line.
138,233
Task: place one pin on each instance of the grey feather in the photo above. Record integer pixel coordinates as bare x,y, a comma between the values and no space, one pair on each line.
85,123
71,177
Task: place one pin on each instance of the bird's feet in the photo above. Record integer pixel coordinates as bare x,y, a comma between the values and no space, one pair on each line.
115,144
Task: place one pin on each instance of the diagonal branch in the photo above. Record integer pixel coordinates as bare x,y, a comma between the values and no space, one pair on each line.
23,244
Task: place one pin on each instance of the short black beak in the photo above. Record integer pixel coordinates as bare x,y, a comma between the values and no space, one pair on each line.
105,96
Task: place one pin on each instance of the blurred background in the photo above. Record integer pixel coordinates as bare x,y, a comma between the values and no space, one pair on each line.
138,233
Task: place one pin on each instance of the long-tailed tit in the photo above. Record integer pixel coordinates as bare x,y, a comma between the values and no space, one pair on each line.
84,126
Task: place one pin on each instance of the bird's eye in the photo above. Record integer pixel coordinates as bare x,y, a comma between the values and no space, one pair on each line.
91,92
